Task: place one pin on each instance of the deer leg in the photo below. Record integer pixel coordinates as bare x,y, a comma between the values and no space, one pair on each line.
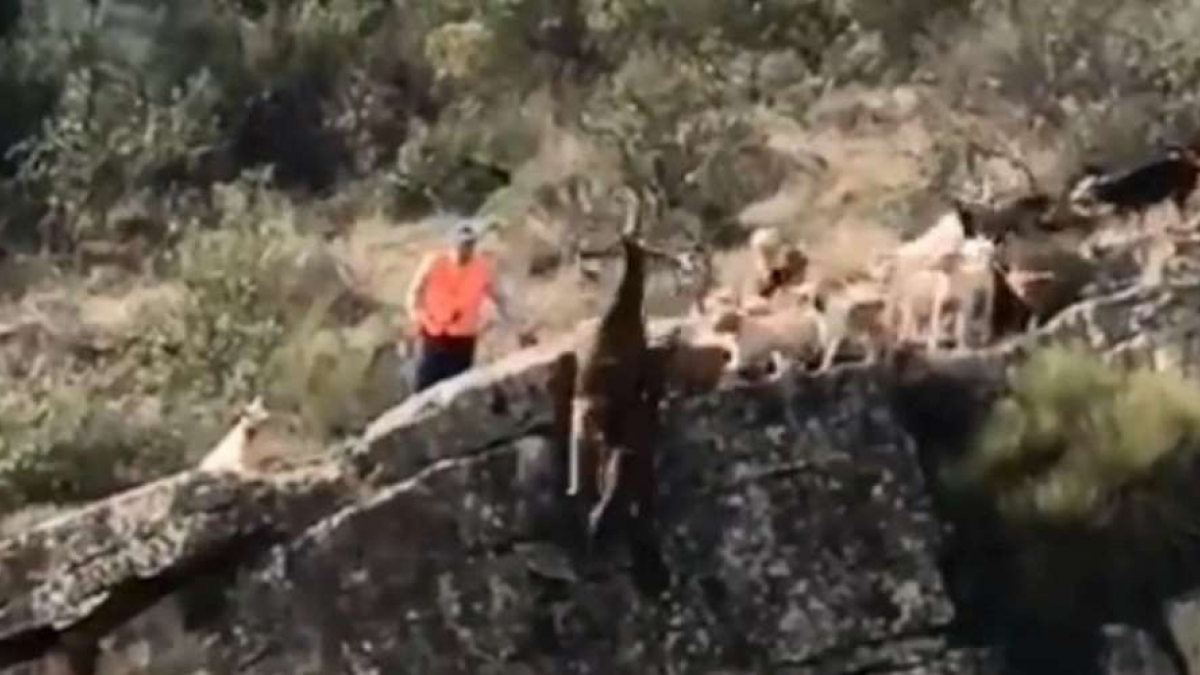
941,296
561,387
649,571
584,439
891,321
612,494
575,452
635,488
910,323
630,503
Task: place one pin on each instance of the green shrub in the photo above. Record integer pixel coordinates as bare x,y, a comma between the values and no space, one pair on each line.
69,443
79,432
106,140
327,373
82,430
1076,500
29,95
1076,436
232,322
315,39
1108,78
457,162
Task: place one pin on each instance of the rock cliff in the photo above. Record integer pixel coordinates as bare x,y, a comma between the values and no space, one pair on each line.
437,543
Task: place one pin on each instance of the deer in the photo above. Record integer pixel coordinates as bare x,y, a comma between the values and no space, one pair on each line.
613,408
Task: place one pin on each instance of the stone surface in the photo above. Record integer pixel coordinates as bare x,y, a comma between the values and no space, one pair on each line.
79,575
1183,617
804,551
802,544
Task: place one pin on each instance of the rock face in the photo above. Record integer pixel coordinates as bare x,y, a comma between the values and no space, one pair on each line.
809,550
438,542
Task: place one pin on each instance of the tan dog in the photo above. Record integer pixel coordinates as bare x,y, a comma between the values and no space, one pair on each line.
235,453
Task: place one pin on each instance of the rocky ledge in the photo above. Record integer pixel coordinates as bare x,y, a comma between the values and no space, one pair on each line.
438,543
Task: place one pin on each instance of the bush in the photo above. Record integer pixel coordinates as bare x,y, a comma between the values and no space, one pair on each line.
67,447
1074,505
336,377
220,346
167,389
1106,77
106,141
1076,437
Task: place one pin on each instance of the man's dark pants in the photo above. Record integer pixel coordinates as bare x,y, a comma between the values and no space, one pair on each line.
441,357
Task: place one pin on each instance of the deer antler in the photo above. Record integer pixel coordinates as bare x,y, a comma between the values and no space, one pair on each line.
633,220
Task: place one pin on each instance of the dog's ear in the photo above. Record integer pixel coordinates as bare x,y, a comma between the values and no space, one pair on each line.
256,410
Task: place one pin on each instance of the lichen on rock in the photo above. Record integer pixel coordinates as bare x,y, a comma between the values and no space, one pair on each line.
439,541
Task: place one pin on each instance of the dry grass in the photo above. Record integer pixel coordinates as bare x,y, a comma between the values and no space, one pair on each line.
834,213
382,256
120,313
850,247
782,209
735,269
868,167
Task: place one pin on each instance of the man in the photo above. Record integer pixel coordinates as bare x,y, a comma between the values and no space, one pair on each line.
446,298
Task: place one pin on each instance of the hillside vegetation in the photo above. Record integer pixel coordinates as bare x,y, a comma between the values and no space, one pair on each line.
207,199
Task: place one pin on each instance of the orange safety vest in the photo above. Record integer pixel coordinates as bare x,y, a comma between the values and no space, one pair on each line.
453,295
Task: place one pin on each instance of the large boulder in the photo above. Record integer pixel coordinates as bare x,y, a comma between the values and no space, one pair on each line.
438,542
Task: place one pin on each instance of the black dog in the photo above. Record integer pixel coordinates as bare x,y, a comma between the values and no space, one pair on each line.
1173,176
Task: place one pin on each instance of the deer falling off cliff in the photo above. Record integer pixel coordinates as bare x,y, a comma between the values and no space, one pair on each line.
613,411
609,376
